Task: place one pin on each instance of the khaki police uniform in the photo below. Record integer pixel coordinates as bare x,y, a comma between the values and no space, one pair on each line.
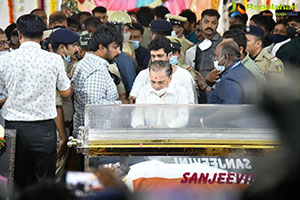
147,37
114,69
270,65
254,69
128,48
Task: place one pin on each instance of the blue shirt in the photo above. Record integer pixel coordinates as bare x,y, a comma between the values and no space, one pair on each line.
127,68
192,37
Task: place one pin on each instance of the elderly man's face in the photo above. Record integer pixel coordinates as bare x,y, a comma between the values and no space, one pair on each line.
159,79
3,42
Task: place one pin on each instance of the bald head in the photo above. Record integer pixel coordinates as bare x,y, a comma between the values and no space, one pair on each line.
230,48
57,18
227,52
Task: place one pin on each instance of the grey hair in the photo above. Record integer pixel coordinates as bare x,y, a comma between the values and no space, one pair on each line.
161,65
230,48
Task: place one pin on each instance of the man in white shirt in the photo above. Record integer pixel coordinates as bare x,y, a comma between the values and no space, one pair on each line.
160,49
31,76
161,91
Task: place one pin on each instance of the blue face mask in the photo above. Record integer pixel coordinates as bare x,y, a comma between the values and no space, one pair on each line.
174,60
279,38
67,59
135,44
173,34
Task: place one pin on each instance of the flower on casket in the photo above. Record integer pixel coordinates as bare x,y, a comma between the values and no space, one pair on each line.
2,140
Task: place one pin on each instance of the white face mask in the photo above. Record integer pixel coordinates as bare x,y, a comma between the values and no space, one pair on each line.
205,44
4,52
126,36
173,34
161,91
220,68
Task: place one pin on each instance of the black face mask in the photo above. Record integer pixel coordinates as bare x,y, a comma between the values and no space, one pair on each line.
291,32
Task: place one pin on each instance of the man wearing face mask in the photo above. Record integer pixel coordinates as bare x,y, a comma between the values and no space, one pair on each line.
142,54
161,90
160,49
271,66
178,29
279,37
63,42
123,22
289,52
236,84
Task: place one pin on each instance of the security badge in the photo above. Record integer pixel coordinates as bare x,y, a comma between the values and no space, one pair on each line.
248,29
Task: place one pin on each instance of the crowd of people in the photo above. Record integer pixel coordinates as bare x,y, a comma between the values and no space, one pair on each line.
50,69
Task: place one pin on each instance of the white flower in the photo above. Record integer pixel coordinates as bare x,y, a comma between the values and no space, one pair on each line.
1,131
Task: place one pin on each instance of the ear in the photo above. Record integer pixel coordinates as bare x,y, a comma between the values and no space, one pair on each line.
170,55
20,36
241,50
101,48
259,43
41,39
192,24
61,46
50,47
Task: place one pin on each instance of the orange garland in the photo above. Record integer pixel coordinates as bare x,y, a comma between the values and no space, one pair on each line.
10,11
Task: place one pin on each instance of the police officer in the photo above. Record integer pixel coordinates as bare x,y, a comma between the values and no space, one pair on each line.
160,27
271,66
122,21
178,28
177,54
64,43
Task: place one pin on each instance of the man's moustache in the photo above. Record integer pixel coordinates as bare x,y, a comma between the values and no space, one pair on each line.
209,29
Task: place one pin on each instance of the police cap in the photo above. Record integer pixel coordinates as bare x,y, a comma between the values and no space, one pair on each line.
65,36
160,25
176,20
254,30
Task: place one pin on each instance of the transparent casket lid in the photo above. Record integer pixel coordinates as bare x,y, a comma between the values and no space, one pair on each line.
163,123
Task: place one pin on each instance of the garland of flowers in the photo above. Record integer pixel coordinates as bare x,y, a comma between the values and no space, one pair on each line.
10,11
42,4
53,6
2,140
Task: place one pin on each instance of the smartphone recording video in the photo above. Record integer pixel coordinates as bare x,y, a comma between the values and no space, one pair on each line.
82,183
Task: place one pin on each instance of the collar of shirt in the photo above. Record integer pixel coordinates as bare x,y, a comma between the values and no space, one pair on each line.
97,58
246,57
259,56
30,44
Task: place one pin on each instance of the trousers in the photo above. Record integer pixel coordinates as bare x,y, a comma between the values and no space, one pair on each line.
35,151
